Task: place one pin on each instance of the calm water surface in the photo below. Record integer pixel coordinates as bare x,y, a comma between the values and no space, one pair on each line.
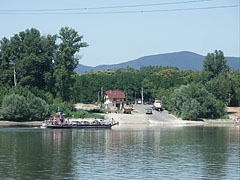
121,153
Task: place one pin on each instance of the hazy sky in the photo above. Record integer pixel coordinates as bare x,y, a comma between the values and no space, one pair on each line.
120,37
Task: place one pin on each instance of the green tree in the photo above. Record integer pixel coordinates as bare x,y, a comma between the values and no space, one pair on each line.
3,93
164,102
38,108
35,107
191,109
66,61
6,66
215,63
235,84
15,107
31,54
220,87
148,87
194,100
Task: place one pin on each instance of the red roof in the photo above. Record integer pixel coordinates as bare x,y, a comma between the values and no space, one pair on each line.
115,94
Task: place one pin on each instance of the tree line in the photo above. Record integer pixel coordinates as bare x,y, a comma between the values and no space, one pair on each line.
44,70
186,93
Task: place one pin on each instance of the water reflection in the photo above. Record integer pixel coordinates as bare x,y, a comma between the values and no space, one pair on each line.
142,153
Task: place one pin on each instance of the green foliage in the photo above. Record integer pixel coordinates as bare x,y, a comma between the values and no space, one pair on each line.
164,102
191,109
66,62
148,87
31,54
235,84
220,87
40,62
155,83
58,105
194,101
201,77
38,108
6,68
3,92
15,108
83,114
215,63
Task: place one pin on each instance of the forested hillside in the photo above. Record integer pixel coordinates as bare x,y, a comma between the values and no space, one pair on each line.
183,60
37,77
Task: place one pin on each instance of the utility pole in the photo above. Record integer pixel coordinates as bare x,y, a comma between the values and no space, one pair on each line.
14,72
98,96
14,75
135,97
101,96
142,95
126,95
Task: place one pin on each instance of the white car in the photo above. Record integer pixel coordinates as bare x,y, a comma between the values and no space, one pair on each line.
148,111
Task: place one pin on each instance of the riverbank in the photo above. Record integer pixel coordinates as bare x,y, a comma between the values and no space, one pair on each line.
24,123
135,119
142,119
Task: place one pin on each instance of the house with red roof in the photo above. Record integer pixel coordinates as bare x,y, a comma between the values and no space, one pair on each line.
115,99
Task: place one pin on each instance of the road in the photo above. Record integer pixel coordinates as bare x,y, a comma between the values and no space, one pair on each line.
157,117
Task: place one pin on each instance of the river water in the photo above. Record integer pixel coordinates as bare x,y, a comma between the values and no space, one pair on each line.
147,152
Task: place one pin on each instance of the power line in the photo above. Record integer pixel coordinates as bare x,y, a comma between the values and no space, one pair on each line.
107,7
124,12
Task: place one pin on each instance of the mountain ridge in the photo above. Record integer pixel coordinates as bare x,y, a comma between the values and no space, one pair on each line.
184,60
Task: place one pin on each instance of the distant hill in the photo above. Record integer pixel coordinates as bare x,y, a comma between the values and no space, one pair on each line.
183,60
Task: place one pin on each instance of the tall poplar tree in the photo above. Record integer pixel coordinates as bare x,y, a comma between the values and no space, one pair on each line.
66,60
215,63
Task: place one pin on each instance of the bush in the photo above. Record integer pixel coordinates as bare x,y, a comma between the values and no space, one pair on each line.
20,108
194,101
38,108
191,109
64,107
3,92
15,107
164,102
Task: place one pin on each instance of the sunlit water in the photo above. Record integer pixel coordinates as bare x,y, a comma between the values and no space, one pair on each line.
121,153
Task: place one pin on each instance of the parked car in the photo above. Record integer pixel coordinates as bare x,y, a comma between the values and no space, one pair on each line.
148,111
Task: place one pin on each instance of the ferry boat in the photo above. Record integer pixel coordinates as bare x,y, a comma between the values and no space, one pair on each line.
58,122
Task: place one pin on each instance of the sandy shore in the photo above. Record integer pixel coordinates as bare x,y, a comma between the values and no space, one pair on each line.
26,123
129,119
133,120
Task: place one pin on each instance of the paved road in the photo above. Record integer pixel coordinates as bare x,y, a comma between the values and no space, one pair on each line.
162,117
